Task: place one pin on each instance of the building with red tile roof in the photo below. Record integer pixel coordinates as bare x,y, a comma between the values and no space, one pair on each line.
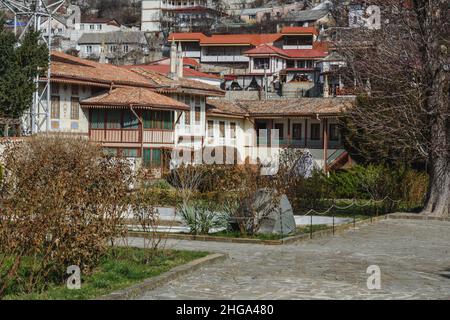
256,61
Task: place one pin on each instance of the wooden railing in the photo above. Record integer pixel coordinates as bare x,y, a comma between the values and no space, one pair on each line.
132,136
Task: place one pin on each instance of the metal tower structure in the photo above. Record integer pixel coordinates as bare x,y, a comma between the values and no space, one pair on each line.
34,13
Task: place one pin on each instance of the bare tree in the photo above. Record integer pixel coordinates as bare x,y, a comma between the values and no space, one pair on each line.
400,72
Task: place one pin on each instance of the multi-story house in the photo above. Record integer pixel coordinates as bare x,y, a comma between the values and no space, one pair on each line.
145,115
256,61
273,12
180,15
117,47
138,113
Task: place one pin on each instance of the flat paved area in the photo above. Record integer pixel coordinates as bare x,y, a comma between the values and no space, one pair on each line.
414,258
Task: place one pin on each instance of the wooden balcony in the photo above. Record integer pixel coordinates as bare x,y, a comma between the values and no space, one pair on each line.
132,136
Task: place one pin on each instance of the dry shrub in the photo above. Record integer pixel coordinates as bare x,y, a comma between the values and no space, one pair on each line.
62,203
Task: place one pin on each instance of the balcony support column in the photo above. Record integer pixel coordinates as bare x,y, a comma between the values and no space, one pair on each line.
325,145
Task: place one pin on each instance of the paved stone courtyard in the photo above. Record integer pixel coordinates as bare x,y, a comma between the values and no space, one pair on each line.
414,258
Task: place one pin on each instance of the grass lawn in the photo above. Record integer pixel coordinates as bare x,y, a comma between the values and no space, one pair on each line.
122,267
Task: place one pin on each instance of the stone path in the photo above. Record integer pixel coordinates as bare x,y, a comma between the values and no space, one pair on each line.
414,258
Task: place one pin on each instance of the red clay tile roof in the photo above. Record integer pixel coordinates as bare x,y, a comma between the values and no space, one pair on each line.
186,62
165,70
299,30
281,107
240,39
219,39
266,50
65,66
186,36
166,84
137,97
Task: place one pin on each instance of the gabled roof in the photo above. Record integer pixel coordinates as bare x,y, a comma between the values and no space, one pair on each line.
186,62
186,36
281,107
241,39
306,15
165,70
134,97
115,37
318,51
64,66
110,21
299,30
266,49
165,84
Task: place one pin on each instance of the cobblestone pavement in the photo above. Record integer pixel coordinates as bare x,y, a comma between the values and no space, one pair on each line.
414,258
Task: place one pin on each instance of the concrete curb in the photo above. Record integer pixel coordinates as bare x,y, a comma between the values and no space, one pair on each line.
287,240
154,282
413,216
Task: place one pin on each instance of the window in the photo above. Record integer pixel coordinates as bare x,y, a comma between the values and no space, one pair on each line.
110,151
55,88
75,90
97,119
187,117
129,120
261,63
334,132
99,27
297,131
152,157
125,48
113,119
198,111
158,120
92,27
233,130
130,153
75,108
315,131
280,128
81,26
290,64
198,115
88,49
210,128
55,110
222,129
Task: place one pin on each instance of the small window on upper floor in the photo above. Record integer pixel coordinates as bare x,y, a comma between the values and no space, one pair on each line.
315,131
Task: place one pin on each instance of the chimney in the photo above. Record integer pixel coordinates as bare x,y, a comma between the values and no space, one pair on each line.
173,60
180,62
102,57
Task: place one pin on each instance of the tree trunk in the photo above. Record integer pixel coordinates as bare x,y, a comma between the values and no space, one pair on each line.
438,199
431,16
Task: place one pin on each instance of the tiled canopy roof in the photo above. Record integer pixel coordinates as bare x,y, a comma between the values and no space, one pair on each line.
136,97
64,66
318,51
281,107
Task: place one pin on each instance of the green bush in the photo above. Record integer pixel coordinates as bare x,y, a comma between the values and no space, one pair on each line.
201,217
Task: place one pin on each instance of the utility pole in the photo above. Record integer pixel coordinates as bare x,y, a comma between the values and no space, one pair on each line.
34,13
